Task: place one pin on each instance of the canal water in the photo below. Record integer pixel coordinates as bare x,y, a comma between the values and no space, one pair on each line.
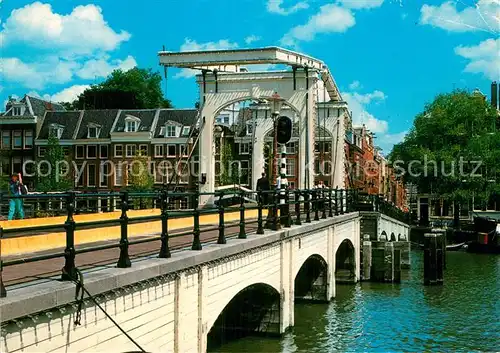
462,315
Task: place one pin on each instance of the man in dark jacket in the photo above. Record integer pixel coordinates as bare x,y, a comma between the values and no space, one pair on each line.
15,204
264,185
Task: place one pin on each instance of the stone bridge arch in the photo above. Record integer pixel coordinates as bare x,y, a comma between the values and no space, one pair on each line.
254,309
311,281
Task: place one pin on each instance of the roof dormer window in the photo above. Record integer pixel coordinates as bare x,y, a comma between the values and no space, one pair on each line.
56,130
93,131
132,123
162,131
170,131
18,110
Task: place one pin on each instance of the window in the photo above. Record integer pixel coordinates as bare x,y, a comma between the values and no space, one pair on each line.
92,152
56,131
162,131
103,149
80,152
249,129
17,165
162,172
244,172
103,174
79,175
158,150
183,204
171,151
16,111
130,126
18,139
5,166
28,139
143,150
184,150
118,150
131,150
170,130
6,139
244,148
186,130
118,174
91,175
291,148
290,166
41,151
93,132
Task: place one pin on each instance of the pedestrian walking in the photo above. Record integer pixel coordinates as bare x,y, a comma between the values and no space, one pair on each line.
16,189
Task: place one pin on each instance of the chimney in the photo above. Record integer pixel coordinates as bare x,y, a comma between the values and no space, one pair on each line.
494,94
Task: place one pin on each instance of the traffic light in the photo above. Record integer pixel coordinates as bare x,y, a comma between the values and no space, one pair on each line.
283,129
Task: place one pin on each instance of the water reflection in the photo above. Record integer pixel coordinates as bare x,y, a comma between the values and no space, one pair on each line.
462,315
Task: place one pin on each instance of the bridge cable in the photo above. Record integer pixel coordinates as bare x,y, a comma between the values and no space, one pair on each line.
81,290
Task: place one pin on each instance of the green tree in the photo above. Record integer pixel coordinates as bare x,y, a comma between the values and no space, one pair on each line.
55,172
141,87
454,134
140,180
229,171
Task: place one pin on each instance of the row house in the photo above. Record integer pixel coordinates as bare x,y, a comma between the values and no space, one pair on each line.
18,127
370,172
103,144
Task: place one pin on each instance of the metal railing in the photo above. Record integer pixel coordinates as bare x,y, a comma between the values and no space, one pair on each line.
308,206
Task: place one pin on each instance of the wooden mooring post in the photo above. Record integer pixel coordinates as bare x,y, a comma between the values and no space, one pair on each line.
433,259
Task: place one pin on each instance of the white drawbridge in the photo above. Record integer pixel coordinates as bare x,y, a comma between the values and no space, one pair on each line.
224,80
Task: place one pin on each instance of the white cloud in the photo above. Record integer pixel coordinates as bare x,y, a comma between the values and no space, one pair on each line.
330,18
83,31
483,15
53,70
484,58
37,75
192,45
361,116
387,141
252,38
102,68
69,94
369,97
355,85
276,6
361,4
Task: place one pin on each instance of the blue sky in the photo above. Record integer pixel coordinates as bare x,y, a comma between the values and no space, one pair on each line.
389,57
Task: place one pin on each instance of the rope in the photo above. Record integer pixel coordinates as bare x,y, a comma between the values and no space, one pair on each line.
81,290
